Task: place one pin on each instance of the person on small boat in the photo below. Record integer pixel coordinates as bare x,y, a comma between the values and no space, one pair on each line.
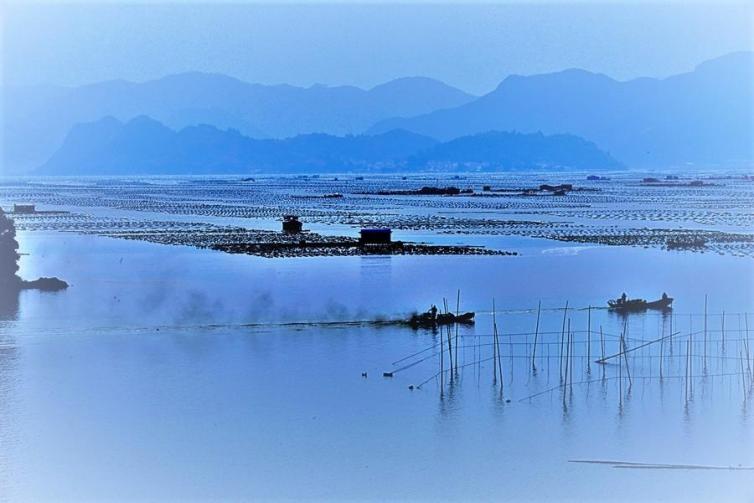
624,303
433,312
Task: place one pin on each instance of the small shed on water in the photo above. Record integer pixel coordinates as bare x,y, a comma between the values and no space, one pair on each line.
376,236
26,209
292,224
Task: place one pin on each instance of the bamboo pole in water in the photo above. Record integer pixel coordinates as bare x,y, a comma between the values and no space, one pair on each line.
568,352
671,333
743,375
442,365
640,346
688,357
691,365
602,350
690,344
589,340
625,356
498,361
479,360
746,326
620,379
450,346
494,346
662,347
458,308
573,357
686,374
705,334
536,336
562,336
628,367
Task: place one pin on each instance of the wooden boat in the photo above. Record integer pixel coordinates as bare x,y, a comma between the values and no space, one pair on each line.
464,318
636,305
430,320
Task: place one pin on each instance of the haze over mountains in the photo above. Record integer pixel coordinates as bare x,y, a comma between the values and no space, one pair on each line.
36,119
704,117
701,118
145,146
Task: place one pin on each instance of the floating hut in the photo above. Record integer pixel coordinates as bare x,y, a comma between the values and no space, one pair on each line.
686,243
375,236
25,209
563,188
292,224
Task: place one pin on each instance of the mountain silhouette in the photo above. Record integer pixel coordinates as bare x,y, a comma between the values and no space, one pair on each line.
36,119
701,117
144,146
704,117
516,151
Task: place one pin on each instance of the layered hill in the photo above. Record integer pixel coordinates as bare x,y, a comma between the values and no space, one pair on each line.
36,119
145,146
704,117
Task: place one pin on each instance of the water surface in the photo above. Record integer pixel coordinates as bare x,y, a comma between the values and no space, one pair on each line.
170,372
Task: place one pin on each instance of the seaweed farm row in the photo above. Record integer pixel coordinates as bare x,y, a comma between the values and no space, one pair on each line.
230,239
619,211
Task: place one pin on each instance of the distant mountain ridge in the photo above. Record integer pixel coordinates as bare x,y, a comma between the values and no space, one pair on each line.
35,120
144,146
703,117
515,151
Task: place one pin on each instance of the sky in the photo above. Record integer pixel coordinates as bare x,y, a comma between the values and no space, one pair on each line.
471,46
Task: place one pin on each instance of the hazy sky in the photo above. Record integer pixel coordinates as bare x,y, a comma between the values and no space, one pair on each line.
472,46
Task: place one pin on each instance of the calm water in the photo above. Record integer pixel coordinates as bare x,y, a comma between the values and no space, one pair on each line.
173,373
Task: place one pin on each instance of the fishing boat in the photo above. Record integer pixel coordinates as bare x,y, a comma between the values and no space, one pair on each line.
625,304
463,318
433,319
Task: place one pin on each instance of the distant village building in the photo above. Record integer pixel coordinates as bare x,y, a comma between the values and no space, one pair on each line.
375,236
292,224
24,209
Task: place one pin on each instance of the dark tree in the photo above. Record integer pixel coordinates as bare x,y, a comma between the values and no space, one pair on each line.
8,254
